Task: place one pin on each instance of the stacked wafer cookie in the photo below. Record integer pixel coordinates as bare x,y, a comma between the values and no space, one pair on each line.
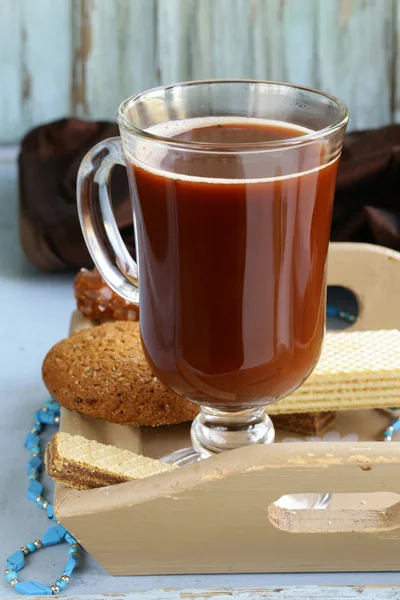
356,370
84,464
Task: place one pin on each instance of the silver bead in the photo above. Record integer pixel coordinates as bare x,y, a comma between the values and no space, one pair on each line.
65,578
391,429
45,505
35,453
45,408
38,423
34,430
24,550
76,555
38,544
56,420
388,438
55,589
75,547
39,498
14,581
7,571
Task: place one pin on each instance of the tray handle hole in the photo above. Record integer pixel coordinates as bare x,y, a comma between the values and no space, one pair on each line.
343,298
356,512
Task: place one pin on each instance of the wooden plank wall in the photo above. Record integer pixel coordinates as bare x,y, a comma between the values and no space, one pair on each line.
82,57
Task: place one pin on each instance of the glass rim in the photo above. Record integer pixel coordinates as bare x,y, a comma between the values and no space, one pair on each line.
301,140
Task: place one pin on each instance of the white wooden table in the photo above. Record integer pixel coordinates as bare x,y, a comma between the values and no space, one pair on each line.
35,310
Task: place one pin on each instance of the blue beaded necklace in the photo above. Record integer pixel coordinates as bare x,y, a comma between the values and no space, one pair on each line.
49,414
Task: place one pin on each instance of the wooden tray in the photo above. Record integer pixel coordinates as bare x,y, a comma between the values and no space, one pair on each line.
219,516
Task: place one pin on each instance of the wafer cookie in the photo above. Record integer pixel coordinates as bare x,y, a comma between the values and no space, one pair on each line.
349,356
356,370
84,464
293,404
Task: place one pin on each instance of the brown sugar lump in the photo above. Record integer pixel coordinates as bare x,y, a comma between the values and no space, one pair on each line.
96,300
101,372
85,464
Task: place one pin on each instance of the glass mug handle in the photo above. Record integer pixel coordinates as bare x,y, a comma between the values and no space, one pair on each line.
98,224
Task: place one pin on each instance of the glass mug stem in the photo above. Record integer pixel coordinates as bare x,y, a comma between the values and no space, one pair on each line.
214,431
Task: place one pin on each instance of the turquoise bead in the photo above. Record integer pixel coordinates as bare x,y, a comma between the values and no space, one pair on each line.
52,536
16,561
47,417
10,576
32,588
70,566
70,539
31,547
61,530
35,489
50,511
61,584
32,439
35,464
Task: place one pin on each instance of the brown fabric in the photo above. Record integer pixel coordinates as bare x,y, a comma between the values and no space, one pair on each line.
48,166
367,201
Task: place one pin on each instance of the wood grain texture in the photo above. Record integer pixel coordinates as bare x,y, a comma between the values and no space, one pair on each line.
35,64
355,49
83,57
296,592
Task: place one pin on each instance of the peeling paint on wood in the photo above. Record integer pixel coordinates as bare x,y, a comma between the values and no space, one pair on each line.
82,45
83,57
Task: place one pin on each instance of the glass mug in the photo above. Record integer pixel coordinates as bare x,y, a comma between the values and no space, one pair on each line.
232,186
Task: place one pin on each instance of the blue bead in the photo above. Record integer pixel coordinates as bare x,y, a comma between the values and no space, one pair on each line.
16,561
70,539
34,449
32,588
61,530
61,584
70,566
35,489
46,417
31,547
35,464
53,536
32,439
10,576
37,416
50,511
